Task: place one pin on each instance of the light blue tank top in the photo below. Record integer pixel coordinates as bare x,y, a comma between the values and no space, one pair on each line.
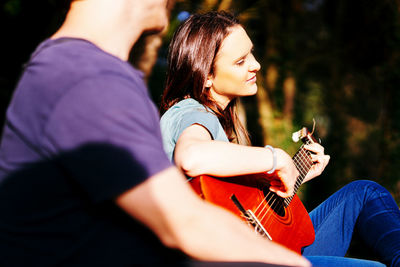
184,114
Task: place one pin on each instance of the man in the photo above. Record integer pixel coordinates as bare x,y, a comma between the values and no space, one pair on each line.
82,165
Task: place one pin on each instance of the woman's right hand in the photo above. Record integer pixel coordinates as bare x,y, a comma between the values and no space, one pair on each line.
284,178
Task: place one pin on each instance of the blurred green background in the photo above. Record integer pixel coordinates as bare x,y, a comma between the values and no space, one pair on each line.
335,61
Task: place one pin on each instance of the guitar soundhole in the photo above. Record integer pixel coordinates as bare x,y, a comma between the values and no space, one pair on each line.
276,203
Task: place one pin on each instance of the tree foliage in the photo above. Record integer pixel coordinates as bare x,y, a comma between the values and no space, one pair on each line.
334,61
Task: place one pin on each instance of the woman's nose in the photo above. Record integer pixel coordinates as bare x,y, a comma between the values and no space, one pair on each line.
254,66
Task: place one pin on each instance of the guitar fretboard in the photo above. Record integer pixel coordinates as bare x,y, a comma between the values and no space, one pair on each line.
302,161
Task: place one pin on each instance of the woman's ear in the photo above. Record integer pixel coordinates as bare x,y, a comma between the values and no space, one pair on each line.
208,83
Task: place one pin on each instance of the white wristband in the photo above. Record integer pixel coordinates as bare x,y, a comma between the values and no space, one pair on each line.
273,157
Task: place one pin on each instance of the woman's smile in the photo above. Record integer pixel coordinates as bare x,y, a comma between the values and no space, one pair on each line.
253,79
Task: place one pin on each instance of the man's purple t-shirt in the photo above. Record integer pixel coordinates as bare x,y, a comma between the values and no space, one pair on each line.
73,93
80,130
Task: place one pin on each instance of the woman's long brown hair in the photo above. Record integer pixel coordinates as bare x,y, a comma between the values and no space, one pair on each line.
191,58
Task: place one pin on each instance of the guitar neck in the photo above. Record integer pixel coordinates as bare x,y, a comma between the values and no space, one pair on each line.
302,161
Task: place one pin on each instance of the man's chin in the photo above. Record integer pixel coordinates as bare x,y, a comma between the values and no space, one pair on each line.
153,31
156,29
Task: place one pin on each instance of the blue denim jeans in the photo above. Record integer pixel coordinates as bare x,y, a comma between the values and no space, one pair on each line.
362,205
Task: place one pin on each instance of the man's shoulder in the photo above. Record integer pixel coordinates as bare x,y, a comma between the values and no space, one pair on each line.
66,65
73,57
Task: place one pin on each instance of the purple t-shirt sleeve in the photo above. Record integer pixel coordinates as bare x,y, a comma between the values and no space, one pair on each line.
114,112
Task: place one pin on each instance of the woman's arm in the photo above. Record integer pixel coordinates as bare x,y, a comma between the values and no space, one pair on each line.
196,153
167,205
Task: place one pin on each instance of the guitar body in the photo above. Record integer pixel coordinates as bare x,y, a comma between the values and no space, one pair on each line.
289,225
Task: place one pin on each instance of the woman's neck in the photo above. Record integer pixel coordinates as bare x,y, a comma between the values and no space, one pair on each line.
222,100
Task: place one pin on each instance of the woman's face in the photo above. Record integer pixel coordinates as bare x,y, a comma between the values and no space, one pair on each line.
235,68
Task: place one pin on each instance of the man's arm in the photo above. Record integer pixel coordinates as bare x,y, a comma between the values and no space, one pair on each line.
168,206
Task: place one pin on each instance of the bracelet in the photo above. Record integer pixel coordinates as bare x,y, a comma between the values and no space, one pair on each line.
274,158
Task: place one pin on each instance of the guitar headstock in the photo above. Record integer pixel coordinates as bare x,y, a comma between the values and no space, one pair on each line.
304,135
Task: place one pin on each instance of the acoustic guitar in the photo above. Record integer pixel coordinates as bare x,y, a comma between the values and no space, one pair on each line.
283,220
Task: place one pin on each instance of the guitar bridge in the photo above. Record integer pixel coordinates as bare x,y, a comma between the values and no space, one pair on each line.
251,218
258,228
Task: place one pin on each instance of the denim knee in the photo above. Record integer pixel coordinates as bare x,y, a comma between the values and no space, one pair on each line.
368,189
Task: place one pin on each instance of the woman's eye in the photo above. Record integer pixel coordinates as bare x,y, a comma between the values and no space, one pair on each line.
240,62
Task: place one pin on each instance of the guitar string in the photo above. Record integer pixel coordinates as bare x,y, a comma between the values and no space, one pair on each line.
303,163
300,156
268,195
270,205
300,159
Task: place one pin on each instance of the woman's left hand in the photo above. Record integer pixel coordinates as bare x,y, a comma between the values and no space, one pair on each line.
319,159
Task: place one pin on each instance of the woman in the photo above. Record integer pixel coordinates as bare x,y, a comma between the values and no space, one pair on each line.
210,65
